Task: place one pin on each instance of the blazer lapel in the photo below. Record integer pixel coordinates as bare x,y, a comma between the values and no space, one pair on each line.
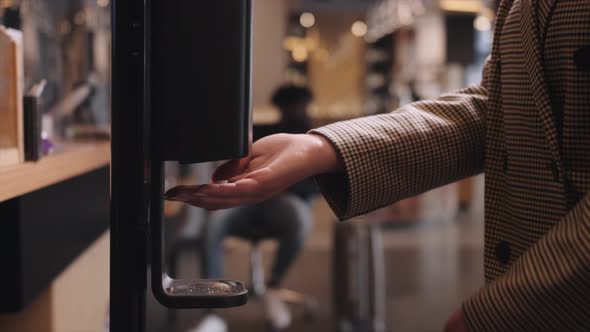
545,8
534,63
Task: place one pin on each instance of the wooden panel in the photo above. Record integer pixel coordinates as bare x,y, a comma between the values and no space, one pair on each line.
42,232
81,292
76,159
36,318
76,301
11,94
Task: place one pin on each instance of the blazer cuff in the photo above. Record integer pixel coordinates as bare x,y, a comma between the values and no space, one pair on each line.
335,187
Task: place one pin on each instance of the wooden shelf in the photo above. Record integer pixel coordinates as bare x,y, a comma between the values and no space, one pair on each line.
74,160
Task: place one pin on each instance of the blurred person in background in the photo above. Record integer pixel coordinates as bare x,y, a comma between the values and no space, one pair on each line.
527,126
286,217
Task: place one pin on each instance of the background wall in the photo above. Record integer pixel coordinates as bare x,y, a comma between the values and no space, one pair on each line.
269,60
337,67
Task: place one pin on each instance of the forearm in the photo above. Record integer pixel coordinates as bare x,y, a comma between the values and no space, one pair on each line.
421,146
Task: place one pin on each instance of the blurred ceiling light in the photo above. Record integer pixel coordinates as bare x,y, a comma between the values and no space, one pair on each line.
359,28
307,20
291,42
468,6
102,3
300,53
482,23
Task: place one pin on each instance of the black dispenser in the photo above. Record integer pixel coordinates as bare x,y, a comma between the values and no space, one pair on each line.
199,68
180,92
198,84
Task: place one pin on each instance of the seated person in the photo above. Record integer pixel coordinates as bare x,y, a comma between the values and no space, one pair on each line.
286,218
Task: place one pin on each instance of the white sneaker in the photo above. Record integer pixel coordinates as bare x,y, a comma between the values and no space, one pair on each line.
211,323
276,310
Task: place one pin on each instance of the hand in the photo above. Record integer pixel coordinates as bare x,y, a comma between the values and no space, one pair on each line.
276,163
456,323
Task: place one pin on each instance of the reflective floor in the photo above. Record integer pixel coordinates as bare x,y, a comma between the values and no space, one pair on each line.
430,269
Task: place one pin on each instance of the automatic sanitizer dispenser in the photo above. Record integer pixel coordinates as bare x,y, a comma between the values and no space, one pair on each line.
180,92
199,78
198,97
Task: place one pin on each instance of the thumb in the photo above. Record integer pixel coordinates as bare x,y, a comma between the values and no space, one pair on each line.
230,169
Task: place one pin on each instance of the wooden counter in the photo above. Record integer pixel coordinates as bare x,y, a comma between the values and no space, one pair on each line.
51,212
69,304
74,160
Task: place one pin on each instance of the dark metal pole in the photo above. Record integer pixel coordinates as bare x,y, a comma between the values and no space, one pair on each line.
128,271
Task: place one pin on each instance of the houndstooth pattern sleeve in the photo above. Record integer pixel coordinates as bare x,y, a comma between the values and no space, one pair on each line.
416,148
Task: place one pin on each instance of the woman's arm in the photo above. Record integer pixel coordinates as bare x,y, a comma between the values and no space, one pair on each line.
275,163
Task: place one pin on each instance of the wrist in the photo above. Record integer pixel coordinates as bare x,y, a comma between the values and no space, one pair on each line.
323,155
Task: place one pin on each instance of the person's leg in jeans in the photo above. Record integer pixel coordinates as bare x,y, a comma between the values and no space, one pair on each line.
221,224
288,219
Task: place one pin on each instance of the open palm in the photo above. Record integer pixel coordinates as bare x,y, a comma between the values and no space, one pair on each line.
275,163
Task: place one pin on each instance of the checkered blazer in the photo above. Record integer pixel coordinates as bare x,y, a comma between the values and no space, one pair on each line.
527,126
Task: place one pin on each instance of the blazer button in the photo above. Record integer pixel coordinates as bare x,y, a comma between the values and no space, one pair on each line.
503,252
582,58
552,166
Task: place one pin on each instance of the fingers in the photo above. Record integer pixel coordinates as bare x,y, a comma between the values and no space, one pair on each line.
177,191
218,196
245,187
231,169
241,188
212,203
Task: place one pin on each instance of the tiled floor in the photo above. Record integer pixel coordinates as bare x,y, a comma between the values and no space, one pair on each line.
430,269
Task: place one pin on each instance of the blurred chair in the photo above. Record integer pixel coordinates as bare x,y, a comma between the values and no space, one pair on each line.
188,227
258,284
194,242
